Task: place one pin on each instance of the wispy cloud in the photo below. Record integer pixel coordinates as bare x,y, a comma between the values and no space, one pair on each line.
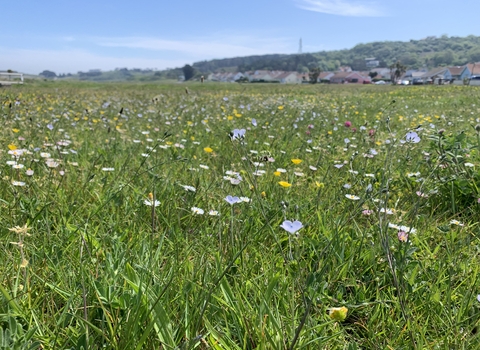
342,7
203,48
107,53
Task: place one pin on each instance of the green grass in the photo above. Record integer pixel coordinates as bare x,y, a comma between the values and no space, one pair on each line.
99,269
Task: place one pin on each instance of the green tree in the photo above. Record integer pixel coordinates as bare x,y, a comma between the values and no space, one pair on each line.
188,72
314,74
48,74
396,71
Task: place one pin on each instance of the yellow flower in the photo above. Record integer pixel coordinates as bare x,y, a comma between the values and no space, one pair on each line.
277,173
284,184
338,314
280,107
263,194
12,147
296,161
15,130
319,184
208,150
230,117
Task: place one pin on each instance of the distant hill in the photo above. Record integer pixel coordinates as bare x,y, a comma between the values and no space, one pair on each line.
429,52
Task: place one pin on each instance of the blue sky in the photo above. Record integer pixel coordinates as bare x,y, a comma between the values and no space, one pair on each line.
69,36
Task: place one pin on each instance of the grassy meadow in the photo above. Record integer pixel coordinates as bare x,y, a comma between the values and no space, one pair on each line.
216,216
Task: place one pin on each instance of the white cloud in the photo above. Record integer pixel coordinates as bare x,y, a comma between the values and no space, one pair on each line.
203,48
342,7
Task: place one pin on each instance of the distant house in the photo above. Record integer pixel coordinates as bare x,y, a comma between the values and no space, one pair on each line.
371,62
381,71
437,75
344,69
324,77
347,77
473,69
459,72
228,77
287,78
260,76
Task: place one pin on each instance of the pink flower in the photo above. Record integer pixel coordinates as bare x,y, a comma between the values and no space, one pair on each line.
348,124
402,236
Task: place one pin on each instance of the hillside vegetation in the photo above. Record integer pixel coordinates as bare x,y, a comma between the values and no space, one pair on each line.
429,52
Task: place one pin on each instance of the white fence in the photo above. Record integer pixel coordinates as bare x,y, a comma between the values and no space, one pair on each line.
10,78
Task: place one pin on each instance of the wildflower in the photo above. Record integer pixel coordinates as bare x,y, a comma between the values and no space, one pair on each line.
237,134
281,170
232,200
348,124
296,161
367,212
213,213
18,166
204,166
285,184
244,199
208,150
412,137
197,211
469,165
189,188
108,169
338,166
18,183
402,236
291,227
387,211
20,230
29,172
338,314
402,228
51,164
151,203
352,197
254,122
456,222
312,168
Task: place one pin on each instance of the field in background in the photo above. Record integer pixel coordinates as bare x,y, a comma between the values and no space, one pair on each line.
213,216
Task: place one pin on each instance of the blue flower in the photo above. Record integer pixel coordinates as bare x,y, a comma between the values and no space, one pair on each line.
232,200
291,227
412,137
